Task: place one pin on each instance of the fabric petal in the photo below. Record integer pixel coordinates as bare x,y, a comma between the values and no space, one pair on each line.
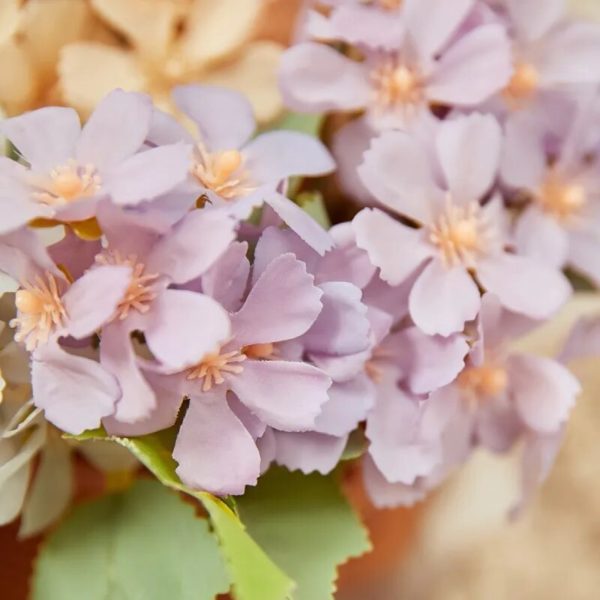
524,285
75,392
214,450
45,137
469,153
473,69
181,327
149,174
298,304
285,395
443,299
115,130
308,452
396,249
316,78
93,299
543,390
192,246
224,118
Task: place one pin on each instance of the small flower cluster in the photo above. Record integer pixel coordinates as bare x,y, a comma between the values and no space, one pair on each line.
188,291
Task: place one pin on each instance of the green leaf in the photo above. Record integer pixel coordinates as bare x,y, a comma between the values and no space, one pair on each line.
313,204
304,123
306,525
142,544
253,574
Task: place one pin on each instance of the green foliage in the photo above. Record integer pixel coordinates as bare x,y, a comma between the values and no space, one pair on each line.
306,525
304,123
313,204
142,544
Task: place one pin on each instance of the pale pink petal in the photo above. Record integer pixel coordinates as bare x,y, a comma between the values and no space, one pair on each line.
316,78
75,392
469,153
396,249
286,282
474,68
45,137
182,326
285,395
524,285
149,174
192,246
443,299
397,171
115,130
93,299
214,450
534,18
17,207
256,428
584,250
543,390
308,452
224,118
118,357
166,129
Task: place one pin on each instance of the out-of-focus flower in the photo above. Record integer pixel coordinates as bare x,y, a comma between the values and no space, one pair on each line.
32,33
458,235
170,42
431,64
237,173
70,169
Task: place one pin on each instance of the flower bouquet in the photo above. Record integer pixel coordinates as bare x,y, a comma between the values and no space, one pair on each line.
231,319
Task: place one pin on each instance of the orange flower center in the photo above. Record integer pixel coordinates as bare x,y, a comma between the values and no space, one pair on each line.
68,183
40,311
213,365
484,381
560,199
397,85
523,83
221,172
140,292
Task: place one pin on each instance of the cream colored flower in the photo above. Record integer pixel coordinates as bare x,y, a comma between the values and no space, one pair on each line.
32,32
585,9
169,42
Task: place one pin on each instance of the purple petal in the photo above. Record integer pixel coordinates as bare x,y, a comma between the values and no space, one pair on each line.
308,452
16,206
348,405
443,299
224,118
75,254
474,68
192,246
534,18
584,249
75,392
115,130
45,137
342,326
276,155
543,390
396,249
165,130
149,174
469,153
316,78
256,428
181,327
430,23
300,222
23,256
214,450
117,356
93,299
519,281
298,303
397,171
285,395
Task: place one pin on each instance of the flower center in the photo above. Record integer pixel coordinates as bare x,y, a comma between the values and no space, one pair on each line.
523,83
397,85
484,381
68,183
260,351
385,4
213,365
140,292
562,200
40,311
221,172
461,234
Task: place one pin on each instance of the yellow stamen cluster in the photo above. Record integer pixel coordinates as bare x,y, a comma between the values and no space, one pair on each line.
396,85
221,172
40,311
523,83
561,199
461,234
68,183
140,292
484,381
213,365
